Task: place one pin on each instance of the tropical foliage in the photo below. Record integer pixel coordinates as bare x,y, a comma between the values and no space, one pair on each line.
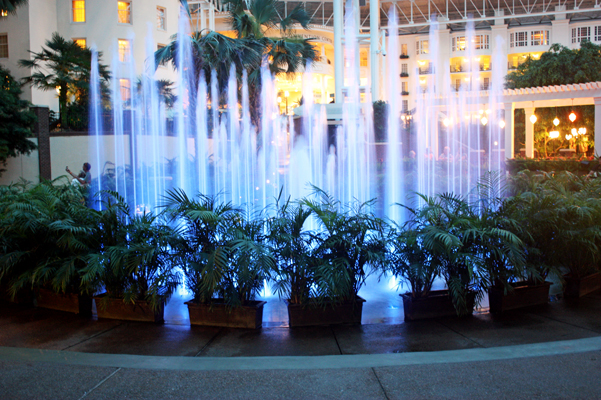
16,120
64,66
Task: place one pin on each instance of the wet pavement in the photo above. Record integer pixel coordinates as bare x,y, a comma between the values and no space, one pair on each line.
546,351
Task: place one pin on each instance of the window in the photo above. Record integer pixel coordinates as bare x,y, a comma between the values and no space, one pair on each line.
581,33
161,18
405,105
404,87
481,42
404,69
421,47
79,10
458,43
125,88
539,38
363,59
124,50
518,39
80,42
486,84
124,9
4,45
597,33
404,49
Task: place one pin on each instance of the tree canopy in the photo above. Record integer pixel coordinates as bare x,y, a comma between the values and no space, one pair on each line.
65,66
16,120
11,6
559,66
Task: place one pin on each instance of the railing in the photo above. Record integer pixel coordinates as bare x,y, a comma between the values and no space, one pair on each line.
426,70
461,68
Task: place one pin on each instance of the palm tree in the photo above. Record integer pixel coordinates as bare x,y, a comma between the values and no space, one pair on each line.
65,66
11,6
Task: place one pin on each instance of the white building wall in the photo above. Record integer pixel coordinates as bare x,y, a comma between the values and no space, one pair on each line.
17,29
26,167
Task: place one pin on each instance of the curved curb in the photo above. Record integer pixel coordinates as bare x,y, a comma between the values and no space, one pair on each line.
299,362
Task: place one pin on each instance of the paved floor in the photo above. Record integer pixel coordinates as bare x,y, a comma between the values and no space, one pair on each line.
552,351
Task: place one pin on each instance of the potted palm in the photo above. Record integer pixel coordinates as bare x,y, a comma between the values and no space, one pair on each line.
349,240
47,233
133,266
225,260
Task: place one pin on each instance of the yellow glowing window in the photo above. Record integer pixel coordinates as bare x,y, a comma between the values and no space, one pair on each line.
124,50
124,8
79,10
125,88
363,59
80,42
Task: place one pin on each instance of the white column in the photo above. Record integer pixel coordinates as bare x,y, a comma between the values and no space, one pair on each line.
597,126
374,47
509,130
338,50
529,132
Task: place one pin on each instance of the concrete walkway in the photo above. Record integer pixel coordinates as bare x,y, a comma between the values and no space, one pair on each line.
545,352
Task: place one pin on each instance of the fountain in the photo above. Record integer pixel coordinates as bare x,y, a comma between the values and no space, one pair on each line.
219,152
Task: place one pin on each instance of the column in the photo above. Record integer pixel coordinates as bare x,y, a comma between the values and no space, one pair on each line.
374,47
529,132
338,50
42,130
597,126
509,130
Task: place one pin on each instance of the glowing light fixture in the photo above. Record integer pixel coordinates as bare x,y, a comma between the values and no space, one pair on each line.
572,116
556,121
446,122
533,118
582,131
574,132
484,120
554,134
568,137
501,124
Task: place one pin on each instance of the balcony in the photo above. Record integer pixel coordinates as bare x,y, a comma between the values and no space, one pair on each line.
462,68
404,93
404,56
404,74
425,70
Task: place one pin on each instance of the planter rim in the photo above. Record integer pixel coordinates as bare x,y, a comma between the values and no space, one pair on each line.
250,304
433,293
328,301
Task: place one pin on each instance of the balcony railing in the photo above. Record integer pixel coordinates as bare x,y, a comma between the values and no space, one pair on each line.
425,70
461,68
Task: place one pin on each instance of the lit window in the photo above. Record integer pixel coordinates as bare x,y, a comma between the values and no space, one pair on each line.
4,46
161,18
79,10
539,38
404,87
421,47
125,88
458,43
124,50
363,59
581,34
80,42
124,9
518,39
481,42
404,49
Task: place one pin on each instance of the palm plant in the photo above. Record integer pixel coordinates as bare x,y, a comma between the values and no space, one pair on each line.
293,248
65,66
224,256
47,234
349,240
11,6
134,262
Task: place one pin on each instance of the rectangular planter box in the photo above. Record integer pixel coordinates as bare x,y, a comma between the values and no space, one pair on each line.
437,304
116,309
69,302
218,314
578,287
332,314
521,296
